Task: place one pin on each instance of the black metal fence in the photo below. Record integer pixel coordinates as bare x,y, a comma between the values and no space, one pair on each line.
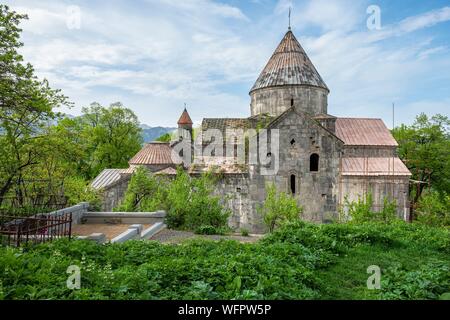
37,229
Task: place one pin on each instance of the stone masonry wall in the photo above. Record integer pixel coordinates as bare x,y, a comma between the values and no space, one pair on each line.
316,192
391,187
276,100
114,194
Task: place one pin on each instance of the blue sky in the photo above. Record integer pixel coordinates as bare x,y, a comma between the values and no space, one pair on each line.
156,55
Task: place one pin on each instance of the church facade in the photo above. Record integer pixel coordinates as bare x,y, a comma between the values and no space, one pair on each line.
320,159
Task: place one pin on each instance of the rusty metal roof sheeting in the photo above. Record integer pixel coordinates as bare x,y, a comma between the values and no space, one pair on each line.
106,178
153,153
364,132
185,118
374,167
289,65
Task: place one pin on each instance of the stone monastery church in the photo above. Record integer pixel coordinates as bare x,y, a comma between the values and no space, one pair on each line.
321,161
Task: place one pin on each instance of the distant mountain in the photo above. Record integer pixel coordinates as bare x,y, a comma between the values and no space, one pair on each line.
152,133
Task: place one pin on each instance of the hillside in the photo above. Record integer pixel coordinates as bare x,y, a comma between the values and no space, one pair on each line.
150,134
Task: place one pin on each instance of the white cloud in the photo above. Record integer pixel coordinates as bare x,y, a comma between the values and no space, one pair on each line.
158,54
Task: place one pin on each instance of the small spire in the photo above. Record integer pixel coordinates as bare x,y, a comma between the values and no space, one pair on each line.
290,9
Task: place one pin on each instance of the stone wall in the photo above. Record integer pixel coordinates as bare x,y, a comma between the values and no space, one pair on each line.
234,191
276,100
380,187
113,195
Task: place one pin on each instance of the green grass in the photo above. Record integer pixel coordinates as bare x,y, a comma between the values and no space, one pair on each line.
299,261
346,279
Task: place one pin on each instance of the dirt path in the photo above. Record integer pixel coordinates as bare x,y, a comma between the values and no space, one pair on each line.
174,236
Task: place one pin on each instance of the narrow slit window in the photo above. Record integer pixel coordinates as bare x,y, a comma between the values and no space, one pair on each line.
293,184
314,162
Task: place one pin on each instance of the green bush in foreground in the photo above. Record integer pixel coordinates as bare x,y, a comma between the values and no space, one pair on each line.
288,264
188,201
278,208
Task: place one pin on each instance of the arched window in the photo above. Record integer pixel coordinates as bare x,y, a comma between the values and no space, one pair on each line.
292,102
293,183
314,162
293,142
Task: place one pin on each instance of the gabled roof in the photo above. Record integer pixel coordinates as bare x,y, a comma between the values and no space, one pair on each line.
289,65
364,132
153,153
305,115
374,167
185,118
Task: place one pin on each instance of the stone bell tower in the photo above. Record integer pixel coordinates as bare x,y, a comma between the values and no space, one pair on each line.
185,126
289,80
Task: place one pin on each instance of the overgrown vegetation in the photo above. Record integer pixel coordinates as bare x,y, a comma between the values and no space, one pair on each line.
278,208
188,201
362,211
297,261
424,146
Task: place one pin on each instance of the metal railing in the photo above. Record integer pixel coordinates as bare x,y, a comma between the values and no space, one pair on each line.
37,229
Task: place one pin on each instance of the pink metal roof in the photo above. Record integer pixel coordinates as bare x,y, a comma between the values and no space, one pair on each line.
364,132
374,167
153,153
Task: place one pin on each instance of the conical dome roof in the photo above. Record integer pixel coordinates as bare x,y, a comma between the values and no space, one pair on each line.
185,118
289,65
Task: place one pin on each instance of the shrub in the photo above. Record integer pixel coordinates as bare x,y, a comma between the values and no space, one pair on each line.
77,190
434,209
278,208
190,203
245,232
360,211
207,230
145,192
430,281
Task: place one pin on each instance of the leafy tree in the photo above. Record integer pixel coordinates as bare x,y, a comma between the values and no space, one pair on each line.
425,149
167,137
115,136
101,138
433,209
26,105
279,208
